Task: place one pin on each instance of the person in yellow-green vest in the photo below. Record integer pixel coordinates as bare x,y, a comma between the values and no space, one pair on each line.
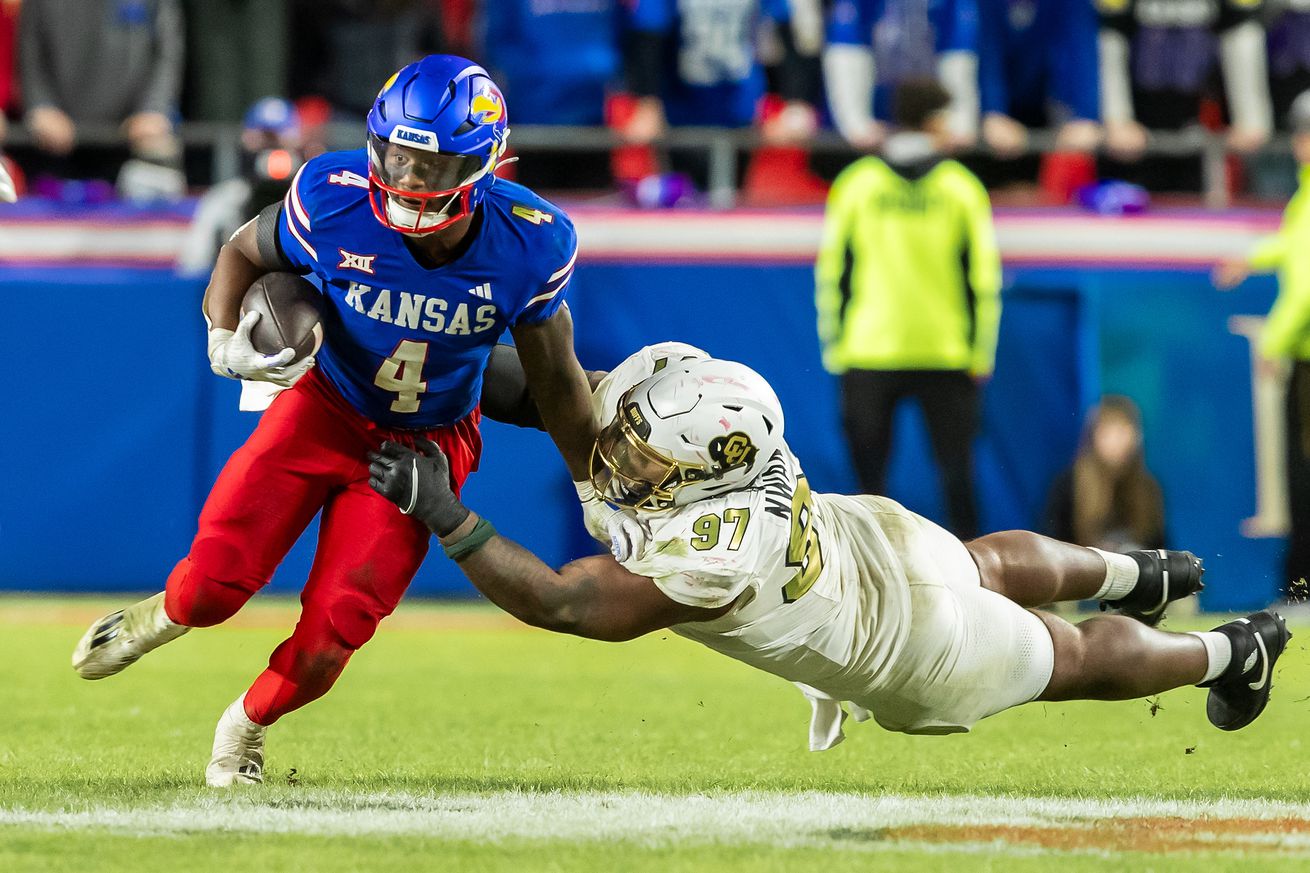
908,296
1286,335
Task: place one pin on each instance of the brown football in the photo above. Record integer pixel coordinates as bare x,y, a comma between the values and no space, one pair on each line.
290,314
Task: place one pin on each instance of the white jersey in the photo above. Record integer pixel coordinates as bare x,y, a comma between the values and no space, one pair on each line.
853,598
821,596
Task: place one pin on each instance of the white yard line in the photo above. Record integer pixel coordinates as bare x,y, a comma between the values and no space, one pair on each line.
772,818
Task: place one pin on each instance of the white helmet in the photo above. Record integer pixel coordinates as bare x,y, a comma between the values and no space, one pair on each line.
693,430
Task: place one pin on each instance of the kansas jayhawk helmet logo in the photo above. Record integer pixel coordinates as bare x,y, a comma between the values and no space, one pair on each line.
487,107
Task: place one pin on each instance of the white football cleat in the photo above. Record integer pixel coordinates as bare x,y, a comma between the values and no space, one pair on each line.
238,757
117,640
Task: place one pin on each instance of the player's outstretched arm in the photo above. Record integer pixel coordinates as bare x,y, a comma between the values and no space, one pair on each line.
560,387
594,597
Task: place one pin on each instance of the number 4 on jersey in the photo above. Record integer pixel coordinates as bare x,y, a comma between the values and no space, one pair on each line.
349,179
402,372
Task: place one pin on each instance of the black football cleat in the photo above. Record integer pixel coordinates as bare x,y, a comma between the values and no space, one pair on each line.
1163,577
1240,693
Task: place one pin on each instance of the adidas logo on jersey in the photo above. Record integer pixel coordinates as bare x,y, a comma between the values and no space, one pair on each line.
483,291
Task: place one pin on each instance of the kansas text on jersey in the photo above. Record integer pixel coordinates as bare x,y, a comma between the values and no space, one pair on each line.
406,345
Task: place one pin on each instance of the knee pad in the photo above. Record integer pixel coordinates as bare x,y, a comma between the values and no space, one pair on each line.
208,586
221,561
353,621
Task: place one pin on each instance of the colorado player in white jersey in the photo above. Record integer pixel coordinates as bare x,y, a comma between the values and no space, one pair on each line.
854,598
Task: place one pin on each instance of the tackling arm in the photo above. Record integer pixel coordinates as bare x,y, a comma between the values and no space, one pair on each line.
593,597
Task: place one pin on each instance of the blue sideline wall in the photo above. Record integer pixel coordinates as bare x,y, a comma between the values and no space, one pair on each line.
113,428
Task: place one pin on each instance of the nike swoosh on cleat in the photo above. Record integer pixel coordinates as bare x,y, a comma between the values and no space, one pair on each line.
1264,664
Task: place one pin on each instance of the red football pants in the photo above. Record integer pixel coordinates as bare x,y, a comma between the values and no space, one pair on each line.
309,453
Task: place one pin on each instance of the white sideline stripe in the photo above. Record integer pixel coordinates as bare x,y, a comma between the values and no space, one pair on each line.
772,818
709,237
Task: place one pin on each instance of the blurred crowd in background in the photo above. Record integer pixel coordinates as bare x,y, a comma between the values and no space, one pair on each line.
1116,86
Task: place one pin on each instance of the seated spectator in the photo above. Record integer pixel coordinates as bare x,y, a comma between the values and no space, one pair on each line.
716,78
1037,68
883,42
1108,499
1156,63
115,62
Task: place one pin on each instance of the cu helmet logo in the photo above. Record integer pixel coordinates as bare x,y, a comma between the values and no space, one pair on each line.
733,450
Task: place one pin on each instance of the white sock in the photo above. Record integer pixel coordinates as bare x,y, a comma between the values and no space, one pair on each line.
237,711
160,619
1218,652
1120,576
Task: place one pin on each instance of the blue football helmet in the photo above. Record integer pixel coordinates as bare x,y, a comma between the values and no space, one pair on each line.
435,134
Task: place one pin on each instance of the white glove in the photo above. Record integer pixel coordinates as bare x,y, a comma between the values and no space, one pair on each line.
232,356
624,534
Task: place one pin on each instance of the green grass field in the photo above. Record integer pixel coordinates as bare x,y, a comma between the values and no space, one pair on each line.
457,740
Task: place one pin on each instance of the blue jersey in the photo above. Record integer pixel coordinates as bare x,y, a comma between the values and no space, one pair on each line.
714,74
405,345
1034,52
906,36
554,59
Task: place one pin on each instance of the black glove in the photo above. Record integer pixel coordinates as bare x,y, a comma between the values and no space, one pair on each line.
417,483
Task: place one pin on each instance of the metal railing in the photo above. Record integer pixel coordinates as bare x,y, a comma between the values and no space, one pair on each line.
722,146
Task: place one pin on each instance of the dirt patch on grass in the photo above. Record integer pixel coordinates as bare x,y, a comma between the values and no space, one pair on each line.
1154,835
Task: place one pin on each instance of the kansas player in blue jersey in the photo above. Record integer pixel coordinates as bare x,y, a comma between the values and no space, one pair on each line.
424,259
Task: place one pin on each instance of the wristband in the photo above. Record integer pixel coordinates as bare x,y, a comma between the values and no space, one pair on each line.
476,539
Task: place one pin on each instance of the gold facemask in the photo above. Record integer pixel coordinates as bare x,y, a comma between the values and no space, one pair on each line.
627,470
